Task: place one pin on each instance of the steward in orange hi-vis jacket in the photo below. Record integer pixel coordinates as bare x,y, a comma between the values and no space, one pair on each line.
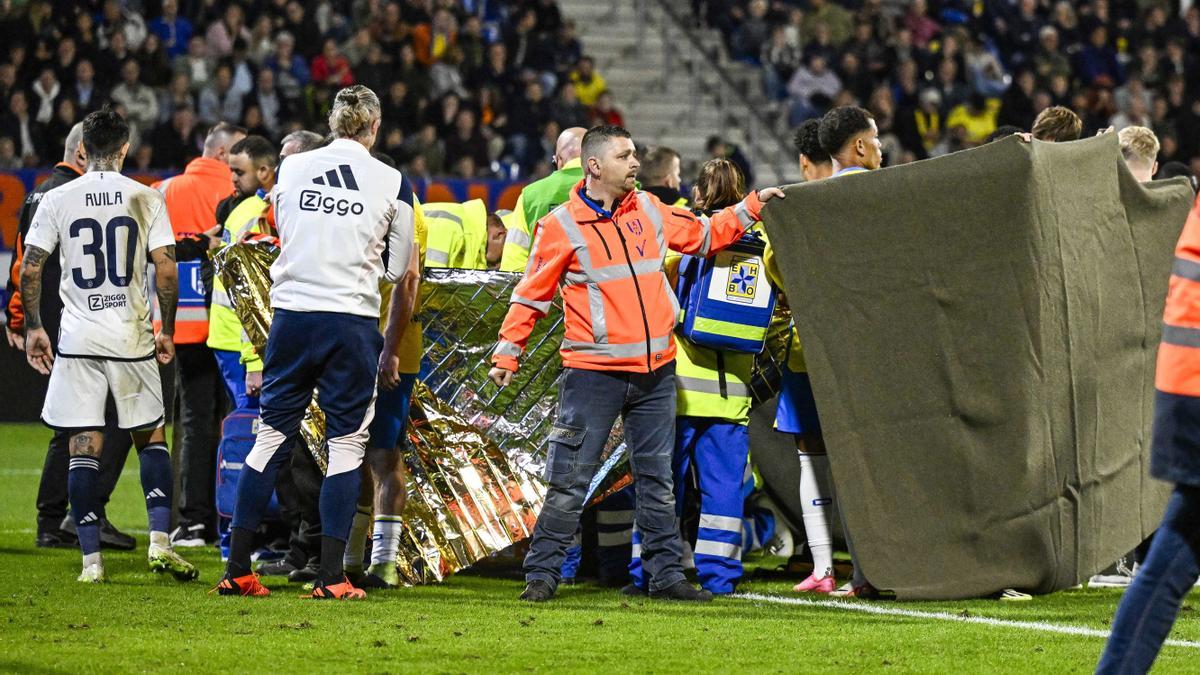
603,250
620,308
1151,604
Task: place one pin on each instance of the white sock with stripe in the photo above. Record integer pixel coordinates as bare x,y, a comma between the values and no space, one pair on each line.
385,539
352,560
816,501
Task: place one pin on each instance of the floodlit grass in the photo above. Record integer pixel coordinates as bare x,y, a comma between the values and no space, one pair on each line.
474,622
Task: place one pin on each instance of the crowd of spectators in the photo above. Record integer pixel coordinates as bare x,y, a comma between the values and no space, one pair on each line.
942,75
469,88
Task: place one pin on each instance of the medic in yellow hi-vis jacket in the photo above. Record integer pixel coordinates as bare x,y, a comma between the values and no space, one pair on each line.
252,162
463,236
712,437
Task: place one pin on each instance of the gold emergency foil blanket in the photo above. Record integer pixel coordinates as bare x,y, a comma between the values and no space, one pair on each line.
466,499
476,454
245,271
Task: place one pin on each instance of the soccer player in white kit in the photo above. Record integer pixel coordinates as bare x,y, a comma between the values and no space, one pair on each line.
106,226
345,220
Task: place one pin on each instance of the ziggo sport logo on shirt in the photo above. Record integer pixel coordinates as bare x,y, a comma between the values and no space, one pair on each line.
311,200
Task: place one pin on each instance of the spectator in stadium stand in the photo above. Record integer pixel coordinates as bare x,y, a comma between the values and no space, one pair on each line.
834,17
750,36
8,154
587,82
432,40
918,23
719,148
177,142
195,64
1057,125
972,122
812,89
522,41
140,101
25,131
221,34
1016,105
272,106
1097,62
219,101
175,31
291,71
606,112
467,141
331,67
567,111
156,68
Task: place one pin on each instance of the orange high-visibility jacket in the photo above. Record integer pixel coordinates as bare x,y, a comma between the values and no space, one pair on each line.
620,309
192,199
1179,353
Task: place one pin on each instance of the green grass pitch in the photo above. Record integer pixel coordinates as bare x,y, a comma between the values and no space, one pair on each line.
474,623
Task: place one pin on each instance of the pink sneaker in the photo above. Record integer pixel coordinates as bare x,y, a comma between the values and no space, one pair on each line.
812,584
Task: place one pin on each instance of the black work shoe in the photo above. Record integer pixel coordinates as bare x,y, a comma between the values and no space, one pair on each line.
57,539
634,590
682,590
278,568
304,575
110,536
537,591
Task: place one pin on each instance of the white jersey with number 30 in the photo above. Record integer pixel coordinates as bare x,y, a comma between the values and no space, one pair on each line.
104,225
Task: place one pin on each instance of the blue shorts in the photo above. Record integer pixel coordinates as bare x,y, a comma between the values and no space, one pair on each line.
391,414
797,411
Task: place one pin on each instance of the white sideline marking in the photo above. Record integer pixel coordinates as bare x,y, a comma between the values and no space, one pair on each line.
20,472
947,616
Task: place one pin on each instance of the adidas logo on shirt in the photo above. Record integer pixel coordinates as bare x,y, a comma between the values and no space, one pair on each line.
330,178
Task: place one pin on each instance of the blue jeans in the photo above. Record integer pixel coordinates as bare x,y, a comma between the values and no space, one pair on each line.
1151,604
589,402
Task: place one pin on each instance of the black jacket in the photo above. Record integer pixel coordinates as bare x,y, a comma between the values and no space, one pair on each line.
52,305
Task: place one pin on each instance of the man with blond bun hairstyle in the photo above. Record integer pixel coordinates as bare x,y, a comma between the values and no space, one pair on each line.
1139,147
345,220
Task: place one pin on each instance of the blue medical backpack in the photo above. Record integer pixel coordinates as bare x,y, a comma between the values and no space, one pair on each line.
238,431
726,301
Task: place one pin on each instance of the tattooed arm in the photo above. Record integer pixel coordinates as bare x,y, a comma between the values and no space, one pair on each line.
37,343
166,282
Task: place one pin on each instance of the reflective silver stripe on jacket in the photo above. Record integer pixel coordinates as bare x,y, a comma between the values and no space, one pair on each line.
623,350
612,272
517,237
506,348
540,306
702,386
437,257
438,213
221,298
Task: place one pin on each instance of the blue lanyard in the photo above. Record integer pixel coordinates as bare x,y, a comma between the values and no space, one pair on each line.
593,205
